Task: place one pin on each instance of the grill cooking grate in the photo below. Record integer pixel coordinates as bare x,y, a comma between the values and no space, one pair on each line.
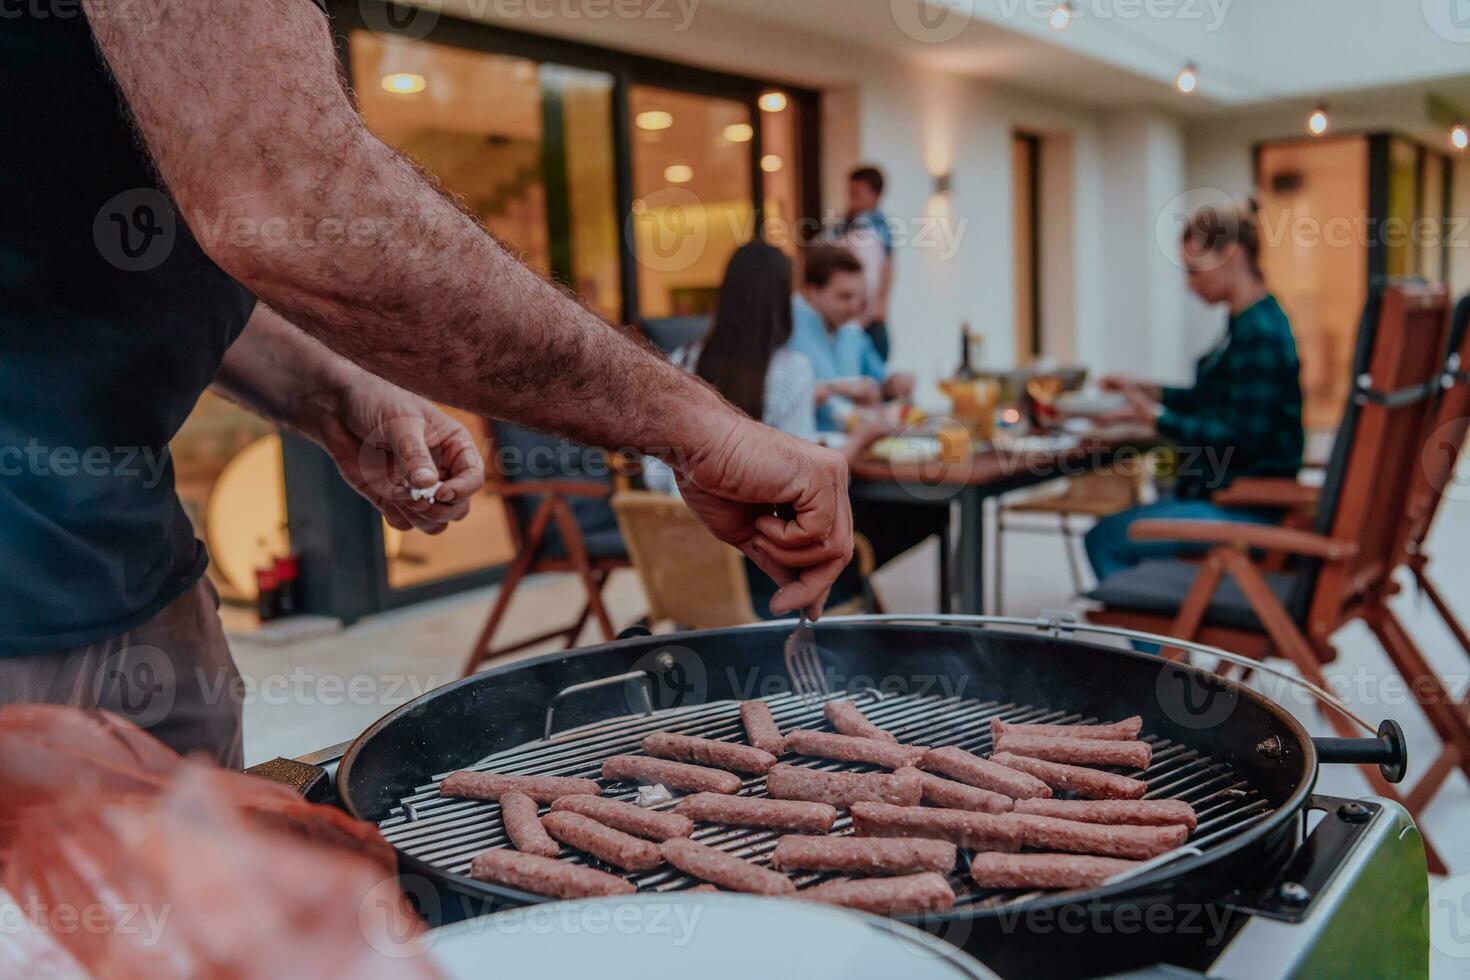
448,833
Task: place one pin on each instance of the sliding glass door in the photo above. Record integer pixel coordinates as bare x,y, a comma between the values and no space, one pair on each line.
528,148
693,198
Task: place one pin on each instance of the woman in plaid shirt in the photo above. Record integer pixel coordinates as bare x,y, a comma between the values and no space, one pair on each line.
1243,414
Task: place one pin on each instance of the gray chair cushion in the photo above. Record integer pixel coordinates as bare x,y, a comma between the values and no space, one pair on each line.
1160,587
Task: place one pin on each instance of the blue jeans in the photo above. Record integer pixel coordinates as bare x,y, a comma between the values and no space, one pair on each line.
1110,550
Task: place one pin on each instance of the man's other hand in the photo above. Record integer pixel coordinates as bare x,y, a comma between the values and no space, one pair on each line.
394,447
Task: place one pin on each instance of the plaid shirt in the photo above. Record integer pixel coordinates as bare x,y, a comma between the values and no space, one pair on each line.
1243,415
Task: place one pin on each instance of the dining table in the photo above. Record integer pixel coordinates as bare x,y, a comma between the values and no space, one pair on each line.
960,485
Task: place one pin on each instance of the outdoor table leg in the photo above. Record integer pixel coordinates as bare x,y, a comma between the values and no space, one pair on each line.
971,564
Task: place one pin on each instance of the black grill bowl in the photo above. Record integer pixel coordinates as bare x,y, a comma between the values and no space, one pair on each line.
505,707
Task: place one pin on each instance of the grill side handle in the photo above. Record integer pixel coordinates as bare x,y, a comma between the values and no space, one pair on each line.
643,678
1387,751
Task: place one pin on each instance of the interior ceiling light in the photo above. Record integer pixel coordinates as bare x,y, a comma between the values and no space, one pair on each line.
1460,137
404,83
739,132
1318,122
771,163
1061,17
653,119
773,101
679,173
1187,81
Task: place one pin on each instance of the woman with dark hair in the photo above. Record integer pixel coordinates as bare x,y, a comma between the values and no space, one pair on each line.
747,357
1243,414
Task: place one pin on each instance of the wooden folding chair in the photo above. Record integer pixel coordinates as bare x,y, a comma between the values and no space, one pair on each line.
557,495
1443,445
1342,566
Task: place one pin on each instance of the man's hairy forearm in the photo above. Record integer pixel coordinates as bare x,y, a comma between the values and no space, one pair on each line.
280,373
241,108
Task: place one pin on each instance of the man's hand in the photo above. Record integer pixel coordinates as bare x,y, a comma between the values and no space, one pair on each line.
736,487
388,443
899,386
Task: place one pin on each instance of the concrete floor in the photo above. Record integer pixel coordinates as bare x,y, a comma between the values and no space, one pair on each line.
325,690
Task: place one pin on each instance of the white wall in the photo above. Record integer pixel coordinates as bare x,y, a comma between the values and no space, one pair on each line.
1143,167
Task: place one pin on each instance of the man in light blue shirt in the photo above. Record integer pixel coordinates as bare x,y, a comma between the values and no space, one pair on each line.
848,367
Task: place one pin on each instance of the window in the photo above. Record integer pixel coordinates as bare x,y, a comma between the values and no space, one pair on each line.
528,147
693,199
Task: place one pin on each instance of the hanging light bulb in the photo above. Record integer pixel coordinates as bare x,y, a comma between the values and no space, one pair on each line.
1061,16
1187,81
1460,137
1318,122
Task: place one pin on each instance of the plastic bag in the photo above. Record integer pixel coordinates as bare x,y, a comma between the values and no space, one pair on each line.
140,864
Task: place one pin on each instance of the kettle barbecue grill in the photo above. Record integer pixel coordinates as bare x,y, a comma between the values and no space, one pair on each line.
1254,866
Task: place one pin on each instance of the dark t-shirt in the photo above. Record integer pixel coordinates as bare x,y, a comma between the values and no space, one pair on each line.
112,322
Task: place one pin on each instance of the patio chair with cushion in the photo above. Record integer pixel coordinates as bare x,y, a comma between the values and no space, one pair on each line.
557,505
1341,569
1444,448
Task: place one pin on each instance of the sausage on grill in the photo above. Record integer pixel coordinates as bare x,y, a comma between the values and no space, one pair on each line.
864,855
970,830
968,768
1120,731
1108,840
545,876
677,775
473,785
994,870
1077,751
927,892
843,788
749,811
1146,813
709,752
613,846
849,720
523,826
760,727
639,821
958,796
1093,784
849,748
725,870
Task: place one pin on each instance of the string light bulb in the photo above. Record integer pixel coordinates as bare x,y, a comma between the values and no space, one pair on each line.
1187,81
1318,122
1460,137
1061,16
